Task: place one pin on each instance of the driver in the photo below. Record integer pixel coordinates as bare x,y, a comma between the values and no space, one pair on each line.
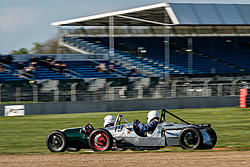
148,129
109,120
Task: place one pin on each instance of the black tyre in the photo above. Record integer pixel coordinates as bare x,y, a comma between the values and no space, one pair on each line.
213,137
73,149
56,141
100,140
190,138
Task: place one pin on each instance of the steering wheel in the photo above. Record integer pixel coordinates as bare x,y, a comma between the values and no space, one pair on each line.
89,128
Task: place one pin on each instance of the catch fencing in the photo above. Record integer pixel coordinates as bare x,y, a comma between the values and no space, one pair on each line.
107,92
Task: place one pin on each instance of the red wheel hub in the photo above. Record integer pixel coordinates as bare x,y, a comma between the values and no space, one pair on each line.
100,141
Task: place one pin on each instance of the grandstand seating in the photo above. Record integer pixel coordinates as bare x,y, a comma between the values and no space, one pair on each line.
75,70
202,62
87,69
39,73
220,55
5,77
7,74
223,61
95,45
232,50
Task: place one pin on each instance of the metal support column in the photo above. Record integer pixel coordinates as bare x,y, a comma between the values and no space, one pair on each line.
111,37
166,43
190,55
58,49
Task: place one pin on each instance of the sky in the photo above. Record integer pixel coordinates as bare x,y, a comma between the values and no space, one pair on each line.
23,22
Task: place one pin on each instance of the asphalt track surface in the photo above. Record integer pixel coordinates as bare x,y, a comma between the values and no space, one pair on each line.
178,159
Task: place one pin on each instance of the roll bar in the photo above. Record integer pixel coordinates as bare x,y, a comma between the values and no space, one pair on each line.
163,116
118,119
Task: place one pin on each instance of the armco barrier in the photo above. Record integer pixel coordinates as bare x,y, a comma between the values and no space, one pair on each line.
128,105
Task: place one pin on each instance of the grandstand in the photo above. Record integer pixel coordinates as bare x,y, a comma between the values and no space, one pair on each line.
160,50
202,62
177,38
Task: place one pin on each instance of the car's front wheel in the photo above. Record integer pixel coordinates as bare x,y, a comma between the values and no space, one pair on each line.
190,138
56,141
100,140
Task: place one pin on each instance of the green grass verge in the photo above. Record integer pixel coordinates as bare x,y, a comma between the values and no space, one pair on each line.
27,134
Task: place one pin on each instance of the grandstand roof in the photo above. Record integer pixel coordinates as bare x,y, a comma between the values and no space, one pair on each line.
177,14
218,14
153,14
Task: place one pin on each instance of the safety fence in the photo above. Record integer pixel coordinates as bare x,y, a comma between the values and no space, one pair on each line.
106,91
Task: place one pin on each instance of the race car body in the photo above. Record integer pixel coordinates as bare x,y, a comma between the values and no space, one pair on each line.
72,139
125,136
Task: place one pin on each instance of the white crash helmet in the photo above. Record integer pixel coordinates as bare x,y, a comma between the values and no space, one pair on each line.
109,119
151,115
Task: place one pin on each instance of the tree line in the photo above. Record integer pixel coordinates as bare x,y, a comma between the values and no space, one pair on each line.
48,47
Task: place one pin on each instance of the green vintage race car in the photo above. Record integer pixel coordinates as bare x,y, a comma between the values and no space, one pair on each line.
72,139
124,136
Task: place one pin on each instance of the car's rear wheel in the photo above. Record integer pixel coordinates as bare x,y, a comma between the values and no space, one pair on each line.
213,137
56,141
190,138
100,140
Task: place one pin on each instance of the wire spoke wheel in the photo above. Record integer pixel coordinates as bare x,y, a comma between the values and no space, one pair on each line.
190,138
56,141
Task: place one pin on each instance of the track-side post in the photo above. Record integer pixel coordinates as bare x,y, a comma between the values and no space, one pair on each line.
233,88
18,94
205,88
56,93
219,90
173,88
73,91
35,93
